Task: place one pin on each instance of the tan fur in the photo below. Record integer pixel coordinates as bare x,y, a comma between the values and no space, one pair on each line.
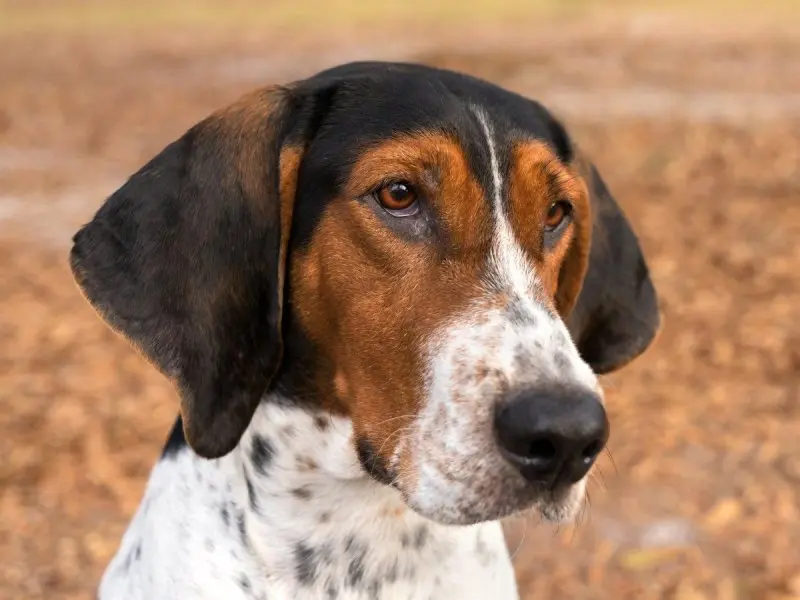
369,299
537,179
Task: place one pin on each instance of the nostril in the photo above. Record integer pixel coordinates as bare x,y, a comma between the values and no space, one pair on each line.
591,451
541,450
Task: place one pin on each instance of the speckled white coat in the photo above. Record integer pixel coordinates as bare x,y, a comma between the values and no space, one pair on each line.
291,515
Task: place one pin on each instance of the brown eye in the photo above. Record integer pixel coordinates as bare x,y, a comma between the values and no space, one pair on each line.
557,213
397,196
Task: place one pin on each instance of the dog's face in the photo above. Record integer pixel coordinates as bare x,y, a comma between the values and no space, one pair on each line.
421,251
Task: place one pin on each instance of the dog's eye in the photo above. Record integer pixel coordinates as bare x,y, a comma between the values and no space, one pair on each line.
558,213
398,198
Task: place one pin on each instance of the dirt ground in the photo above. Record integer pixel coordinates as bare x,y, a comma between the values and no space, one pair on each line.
695,125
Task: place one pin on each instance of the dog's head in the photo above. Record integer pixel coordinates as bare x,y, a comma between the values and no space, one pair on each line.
419,250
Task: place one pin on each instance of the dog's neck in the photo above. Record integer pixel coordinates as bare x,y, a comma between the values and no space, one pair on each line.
291,514
315,519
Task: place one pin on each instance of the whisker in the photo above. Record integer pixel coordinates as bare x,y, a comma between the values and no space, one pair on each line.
588,505
611,458
395,434
599,479
408,416
521,539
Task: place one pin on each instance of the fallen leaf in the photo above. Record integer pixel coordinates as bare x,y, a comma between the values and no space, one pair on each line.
723,513
646,558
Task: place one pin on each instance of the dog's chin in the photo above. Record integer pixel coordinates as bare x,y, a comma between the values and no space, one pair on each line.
558,507
563,507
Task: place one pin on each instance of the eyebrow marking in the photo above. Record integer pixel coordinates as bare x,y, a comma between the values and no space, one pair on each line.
507,258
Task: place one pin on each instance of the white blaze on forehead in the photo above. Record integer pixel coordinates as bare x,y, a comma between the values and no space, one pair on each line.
507,259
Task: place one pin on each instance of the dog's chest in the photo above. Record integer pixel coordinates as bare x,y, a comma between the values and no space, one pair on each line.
278,519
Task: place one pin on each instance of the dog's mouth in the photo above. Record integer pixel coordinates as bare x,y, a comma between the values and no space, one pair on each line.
557,507
454,491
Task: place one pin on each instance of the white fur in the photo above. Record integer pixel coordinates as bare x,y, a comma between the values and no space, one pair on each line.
187,549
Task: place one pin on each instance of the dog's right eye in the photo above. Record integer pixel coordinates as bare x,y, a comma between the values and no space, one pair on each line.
398,199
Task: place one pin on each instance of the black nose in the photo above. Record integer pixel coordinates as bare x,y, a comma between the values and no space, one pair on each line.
553,436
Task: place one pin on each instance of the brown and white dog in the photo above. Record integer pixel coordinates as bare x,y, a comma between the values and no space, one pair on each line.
384,294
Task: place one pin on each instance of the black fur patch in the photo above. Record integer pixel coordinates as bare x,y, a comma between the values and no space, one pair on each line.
420,537
251,494
176,442
373,464
241,525
355,551
244,583
226,516
306,563
261,453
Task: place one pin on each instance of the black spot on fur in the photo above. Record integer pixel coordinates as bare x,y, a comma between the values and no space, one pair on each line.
134,555
321,422
305,563
391,574
561,361
372,463
324,517
251,494
420,537
261,454
519,316
356,552
355,572
242,527
244,583
405,540
485,556
226,516
332,592
302,493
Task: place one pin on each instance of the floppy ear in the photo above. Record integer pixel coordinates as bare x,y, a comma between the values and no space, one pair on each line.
615,314
187,260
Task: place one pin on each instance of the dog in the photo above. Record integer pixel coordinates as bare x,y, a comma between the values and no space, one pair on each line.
384,294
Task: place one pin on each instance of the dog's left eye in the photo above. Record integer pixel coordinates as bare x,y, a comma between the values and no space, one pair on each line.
398,198
558,213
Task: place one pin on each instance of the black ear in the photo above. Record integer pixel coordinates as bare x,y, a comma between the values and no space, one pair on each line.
616,316
187,261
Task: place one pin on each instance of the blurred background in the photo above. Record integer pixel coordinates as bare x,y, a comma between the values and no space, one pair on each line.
691,110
